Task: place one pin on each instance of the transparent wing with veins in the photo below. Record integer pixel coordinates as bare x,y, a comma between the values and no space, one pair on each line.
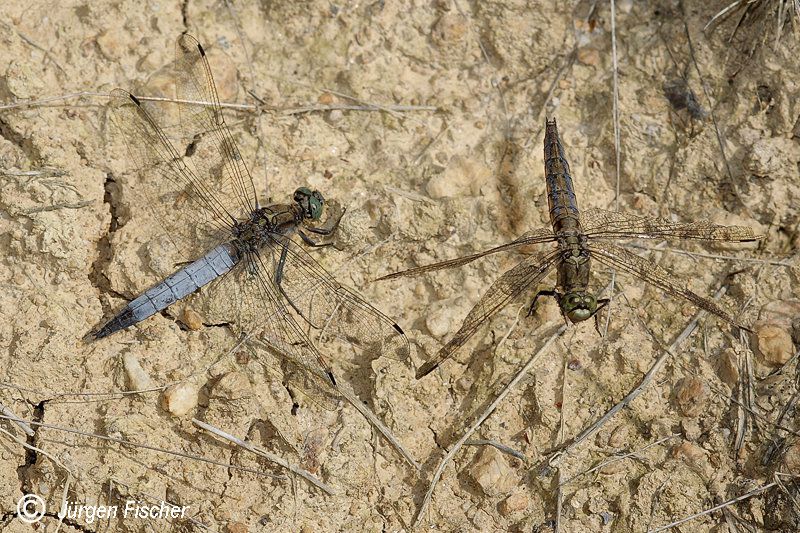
621,259
509,286
249,297
195,183
333,308
601,224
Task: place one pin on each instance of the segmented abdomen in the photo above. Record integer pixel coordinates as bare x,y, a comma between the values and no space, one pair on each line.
560,192
182,283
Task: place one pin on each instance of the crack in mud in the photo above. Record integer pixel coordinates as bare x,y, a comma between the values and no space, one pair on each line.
71,523
185,14
25,144
97,276
31,455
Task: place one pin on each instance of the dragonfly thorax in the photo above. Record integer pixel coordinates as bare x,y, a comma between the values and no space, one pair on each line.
578,306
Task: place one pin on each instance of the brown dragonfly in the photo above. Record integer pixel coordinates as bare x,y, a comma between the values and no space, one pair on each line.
580,237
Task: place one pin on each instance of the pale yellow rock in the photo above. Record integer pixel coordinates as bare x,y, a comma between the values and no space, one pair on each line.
236,527
589,56
727,368
774,344
138,379
192,319
691,396
440,319
619,437
492,473
449,29
690,453
109,44
179,399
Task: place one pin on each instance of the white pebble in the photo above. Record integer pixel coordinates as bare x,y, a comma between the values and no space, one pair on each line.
137,377
179,399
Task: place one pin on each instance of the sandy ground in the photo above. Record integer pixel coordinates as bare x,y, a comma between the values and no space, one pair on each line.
715,423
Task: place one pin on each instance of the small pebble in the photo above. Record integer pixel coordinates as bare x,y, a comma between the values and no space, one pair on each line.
492,473
232,386
236,527
137,377
792,459
325,99
619,437
109,44
179,399
691,429
450,28
589,56
689,453
515,502
440,319
727,368
765,156
774,344
691,396
335,116
192,319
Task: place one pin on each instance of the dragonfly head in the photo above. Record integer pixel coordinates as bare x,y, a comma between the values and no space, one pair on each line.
578,306
310,202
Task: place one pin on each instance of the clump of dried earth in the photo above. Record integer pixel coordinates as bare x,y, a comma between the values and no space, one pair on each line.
716,422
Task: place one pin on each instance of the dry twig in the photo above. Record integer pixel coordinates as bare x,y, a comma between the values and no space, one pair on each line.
562,451
474,427
715,508
308,476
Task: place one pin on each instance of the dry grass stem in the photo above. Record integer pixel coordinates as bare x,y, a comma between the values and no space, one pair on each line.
353,400
308,476
715,508
562,451
617,458
502,447
474,427
17,420
125,442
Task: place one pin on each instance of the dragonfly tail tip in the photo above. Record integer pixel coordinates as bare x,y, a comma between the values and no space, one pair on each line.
426,369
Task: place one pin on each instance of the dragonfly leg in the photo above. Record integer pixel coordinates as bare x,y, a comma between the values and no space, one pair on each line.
311,242
326,229
279,278
552,293
601,303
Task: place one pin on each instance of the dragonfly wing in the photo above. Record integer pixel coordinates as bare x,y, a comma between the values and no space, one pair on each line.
249,297
531,237
204,185
510,285
332,308
601,224
619,258
216,155
170,191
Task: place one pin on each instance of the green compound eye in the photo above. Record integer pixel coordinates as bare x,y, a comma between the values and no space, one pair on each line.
315,203
310,202
578,307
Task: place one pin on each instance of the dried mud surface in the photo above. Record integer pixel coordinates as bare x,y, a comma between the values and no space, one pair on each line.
420,186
